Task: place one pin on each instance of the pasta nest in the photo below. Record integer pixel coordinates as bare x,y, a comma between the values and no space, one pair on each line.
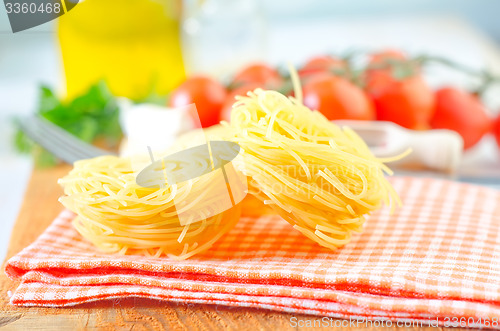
319,177
118,215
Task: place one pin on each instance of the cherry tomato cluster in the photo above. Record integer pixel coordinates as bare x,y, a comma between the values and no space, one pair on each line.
389,88
407,99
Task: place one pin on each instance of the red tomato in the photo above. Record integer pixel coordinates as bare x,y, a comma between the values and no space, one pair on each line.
408,102
381,77
258,73
225,114
496,130
462,112
321,64
389,54
337,98
207,94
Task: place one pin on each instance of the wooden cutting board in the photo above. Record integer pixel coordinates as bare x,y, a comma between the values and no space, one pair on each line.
39,208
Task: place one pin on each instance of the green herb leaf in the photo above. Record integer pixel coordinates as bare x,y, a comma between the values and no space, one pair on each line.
22,143
90,116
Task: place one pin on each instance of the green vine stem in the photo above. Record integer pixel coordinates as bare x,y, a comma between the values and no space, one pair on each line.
486,77
408,67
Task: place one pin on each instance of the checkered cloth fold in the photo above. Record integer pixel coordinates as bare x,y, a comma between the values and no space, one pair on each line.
437,257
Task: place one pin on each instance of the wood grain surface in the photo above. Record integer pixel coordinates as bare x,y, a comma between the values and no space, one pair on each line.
40,207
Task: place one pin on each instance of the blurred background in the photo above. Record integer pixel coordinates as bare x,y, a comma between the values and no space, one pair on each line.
145,50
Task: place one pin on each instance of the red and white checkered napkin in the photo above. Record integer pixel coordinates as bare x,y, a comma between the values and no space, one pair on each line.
438,256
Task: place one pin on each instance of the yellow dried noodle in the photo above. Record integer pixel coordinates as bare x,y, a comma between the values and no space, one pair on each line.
319,177
118,215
